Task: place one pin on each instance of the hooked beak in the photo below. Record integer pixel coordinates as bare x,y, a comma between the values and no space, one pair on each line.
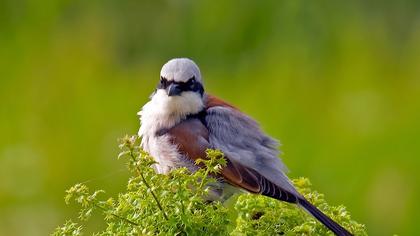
173,90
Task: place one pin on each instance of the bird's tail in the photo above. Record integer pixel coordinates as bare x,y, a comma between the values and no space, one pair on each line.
324,219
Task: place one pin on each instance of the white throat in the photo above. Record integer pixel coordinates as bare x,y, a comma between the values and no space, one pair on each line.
163,111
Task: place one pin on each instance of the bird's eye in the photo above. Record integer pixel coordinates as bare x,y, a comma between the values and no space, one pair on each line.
163,82
192,80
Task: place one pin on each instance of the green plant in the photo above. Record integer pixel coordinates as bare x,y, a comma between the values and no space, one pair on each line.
175,204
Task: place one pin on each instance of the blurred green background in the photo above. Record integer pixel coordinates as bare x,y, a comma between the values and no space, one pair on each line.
338,82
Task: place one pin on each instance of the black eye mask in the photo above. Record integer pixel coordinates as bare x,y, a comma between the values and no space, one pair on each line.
191,85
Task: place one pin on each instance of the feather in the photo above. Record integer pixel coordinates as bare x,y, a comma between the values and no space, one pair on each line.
244,151
324,219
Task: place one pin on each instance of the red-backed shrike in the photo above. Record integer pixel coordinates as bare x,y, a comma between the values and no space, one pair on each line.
181,121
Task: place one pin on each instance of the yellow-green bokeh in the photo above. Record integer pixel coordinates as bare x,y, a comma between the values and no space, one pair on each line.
338,82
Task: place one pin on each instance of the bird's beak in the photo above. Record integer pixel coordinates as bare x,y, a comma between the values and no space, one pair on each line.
173,90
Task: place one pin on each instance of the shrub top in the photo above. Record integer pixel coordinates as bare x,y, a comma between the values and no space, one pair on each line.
175,204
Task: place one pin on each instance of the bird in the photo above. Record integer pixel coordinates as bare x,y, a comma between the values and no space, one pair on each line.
181,121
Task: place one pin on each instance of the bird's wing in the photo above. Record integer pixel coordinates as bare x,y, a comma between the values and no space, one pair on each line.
240,138
192,137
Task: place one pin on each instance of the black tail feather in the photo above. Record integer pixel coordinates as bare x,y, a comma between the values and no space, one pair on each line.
324,219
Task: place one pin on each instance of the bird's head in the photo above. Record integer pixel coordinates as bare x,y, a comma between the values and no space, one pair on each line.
180,90
179,77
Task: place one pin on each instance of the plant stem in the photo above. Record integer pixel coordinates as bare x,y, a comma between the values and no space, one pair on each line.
206,173
148,186
117,216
